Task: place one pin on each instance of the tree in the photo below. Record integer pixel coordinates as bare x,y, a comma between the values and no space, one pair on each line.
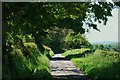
34,18
55,38
101,46
74,40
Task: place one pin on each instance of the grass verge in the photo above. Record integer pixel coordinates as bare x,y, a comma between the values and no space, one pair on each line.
103,65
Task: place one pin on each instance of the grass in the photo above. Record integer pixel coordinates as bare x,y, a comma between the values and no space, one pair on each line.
35,65
75,53
100,65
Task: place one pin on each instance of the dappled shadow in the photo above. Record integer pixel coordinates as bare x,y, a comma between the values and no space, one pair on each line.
71,77
59,58
75,56
84,54
38,75
63,69
58,51
72,70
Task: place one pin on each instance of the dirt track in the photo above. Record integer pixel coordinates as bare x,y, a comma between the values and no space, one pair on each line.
62,68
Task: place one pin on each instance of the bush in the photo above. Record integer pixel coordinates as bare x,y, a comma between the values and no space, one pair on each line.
34,65
48,52
74,41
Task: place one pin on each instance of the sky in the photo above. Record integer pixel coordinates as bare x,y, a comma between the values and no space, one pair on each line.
108,32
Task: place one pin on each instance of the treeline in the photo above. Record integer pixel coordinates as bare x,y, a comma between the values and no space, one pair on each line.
107,47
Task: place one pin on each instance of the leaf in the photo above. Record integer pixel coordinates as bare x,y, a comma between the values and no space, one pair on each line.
94,26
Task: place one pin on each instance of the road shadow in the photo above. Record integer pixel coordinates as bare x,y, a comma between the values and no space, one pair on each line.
74,56
71,77
59,58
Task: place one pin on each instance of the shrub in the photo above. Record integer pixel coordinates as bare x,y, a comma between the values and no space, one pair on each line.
74,40
35,65
48,52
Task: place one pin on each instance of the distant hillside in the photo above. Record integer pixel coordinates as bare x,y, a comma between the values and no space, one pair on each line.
112,43
106,42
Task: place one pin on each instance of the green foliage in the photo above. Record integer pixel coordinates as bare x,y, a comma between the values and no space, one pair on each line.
99,46
100,65
76,53
117,4
34,18
29,38
74,41
34,65
55,38
48,52
107,47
